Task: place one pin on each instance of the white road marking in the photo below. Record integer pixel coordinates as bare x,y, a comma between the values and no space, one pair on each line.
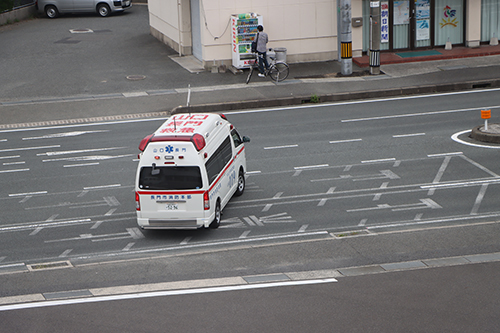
110,212
128,247
311,167
26,198
96,225
26,194
164,293
65,253
135,233
86,158
446,154
267,207
418,217
63,135
322,202
277,195
6,157
407,135
346,141
297,173
281,147
362,223
29,148
244,234
455,138
186,240
80,165
379,160
14,170
81,151
250,222
479,199
253,172
459,184
331,190
34,232
52,218
303,228
479,166
256,220
442,169
14,163
101,187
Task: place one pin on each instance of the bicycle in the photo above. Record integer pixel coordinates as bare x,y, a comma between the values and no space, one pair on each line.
277,70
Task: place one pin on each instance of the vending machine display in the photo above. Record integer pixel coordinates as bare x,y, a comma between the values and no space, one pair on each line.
243,32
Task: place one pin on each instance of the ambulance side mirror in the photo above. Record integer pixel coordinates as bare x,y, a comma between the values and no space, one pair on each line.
246,139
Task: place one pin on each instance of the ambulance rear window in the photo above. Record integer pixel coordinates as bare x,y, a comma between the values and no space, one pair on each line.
170,178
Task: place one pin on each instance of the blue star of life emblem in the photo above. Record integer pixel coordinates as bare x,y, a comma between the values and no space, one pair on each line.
169,149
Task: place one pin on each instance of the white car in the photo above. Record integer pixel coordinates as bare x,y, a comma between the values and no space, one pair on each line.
52,8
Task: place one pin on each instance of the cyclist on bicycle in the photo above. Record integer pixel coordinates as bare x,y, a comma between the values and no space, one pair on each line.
261,50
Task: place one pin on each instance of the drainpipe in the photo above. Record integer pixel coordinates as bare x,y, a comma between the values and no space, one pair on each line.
179,16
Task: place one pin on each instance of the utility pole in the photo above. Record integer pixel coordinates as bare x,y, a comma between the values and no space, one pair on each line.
375,37
345,37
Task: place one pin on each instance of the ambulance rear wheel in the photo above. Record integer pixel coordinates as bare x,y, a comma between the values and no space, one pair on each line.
241,184
216,222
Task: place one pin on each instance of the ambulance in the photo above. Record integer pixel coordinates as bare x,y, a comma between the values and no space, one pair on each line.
188,170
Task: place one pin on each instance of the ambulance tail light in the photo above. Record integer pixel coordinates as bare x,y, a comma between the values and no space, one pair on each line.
137,202
223,116
144,142
198,141
206,201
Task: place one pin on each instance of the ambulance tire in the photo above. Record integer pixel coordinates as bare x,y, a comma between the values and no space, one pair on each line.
216,222
241,184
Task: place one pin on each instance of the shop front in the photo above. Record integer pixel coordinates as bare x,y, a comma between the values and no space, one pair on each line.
417,24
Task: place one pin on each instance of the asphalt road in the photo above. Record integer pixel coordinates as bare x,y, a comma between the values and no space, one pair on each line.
450,299
369,167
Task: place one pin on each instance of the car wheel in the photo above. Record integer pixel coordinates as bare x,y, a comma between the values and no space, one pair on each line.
216,222
103,10
51,12
241,184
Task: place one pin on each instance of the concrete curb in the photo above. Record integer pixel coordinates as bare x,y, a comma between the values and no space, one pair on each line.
479,135
337,97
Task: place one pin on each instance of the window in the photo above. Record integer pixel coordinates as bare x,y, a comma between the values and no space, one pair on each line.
218,160
170,178
236,138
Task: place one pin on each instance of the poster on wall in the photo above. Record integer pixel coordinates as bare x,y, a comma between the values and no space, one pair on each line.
423,16
401,12
384,24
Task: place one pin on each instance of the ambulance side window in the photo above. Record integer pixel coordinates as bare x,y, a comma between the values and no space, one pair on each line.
218,160
236,138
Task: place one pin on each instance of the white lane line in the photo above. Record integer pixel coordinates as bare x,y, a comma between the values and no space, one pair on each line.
311,167
377,196
362,223
442,169
303,228
244,234
34,232
14,170
101,187
253,172
267,207
128,247
3,140
467,183
110,212
80,165
479,166
297,173
96,225
26,198
479,199
6,157
164,293
29,148
65,253
186,240
322,202
431,113
14,163
26,194
346,141
379,160
281,147
278,195
52,218
446,154
407,135
82,194
69,152
63,135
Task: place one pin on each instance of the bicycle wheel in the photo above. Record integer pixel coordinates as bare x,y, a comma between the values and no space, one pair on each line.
279,71
250,72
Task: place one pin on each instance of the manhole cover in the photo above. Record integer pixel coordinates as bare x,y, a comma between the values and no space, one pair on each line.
136,77
80,31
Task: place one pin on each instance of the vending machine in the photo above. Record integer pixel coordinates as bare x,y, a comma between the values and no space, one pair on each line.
243,32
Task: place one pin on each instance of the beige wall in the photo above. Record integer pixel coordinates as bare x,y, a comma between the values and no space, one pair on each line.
306,28
473,23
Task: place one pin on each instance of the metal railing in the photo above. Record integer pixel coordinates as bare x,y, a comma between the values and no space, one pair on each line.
8,5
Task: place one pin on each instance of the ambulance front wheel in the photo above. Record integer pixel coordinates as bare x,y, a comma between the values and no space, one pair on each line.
241,184
216,222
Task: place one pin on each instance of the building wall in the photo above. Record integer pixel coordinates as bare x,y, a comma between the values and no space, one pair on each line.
473,23
306,28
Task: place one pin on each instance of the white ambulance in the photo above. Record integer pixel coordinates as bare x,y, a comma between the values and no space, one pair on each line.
188,170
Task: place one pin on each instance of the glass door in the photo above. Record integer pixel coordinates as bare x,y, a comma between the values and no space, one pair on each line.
421,23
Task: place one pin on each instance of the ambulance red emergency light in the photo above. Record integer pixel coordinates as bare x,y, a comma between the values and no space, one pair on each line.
189,169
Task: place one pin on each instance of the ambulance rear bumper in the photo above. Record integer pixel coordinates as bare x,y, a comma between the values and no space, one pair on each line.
170,224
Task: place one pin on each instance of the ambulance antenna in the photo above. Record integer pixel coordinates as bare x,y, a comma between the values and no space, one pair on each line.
175,125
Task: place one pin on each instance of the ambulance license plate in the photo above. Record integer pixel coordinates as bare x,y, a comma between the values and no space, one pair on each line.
172,206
